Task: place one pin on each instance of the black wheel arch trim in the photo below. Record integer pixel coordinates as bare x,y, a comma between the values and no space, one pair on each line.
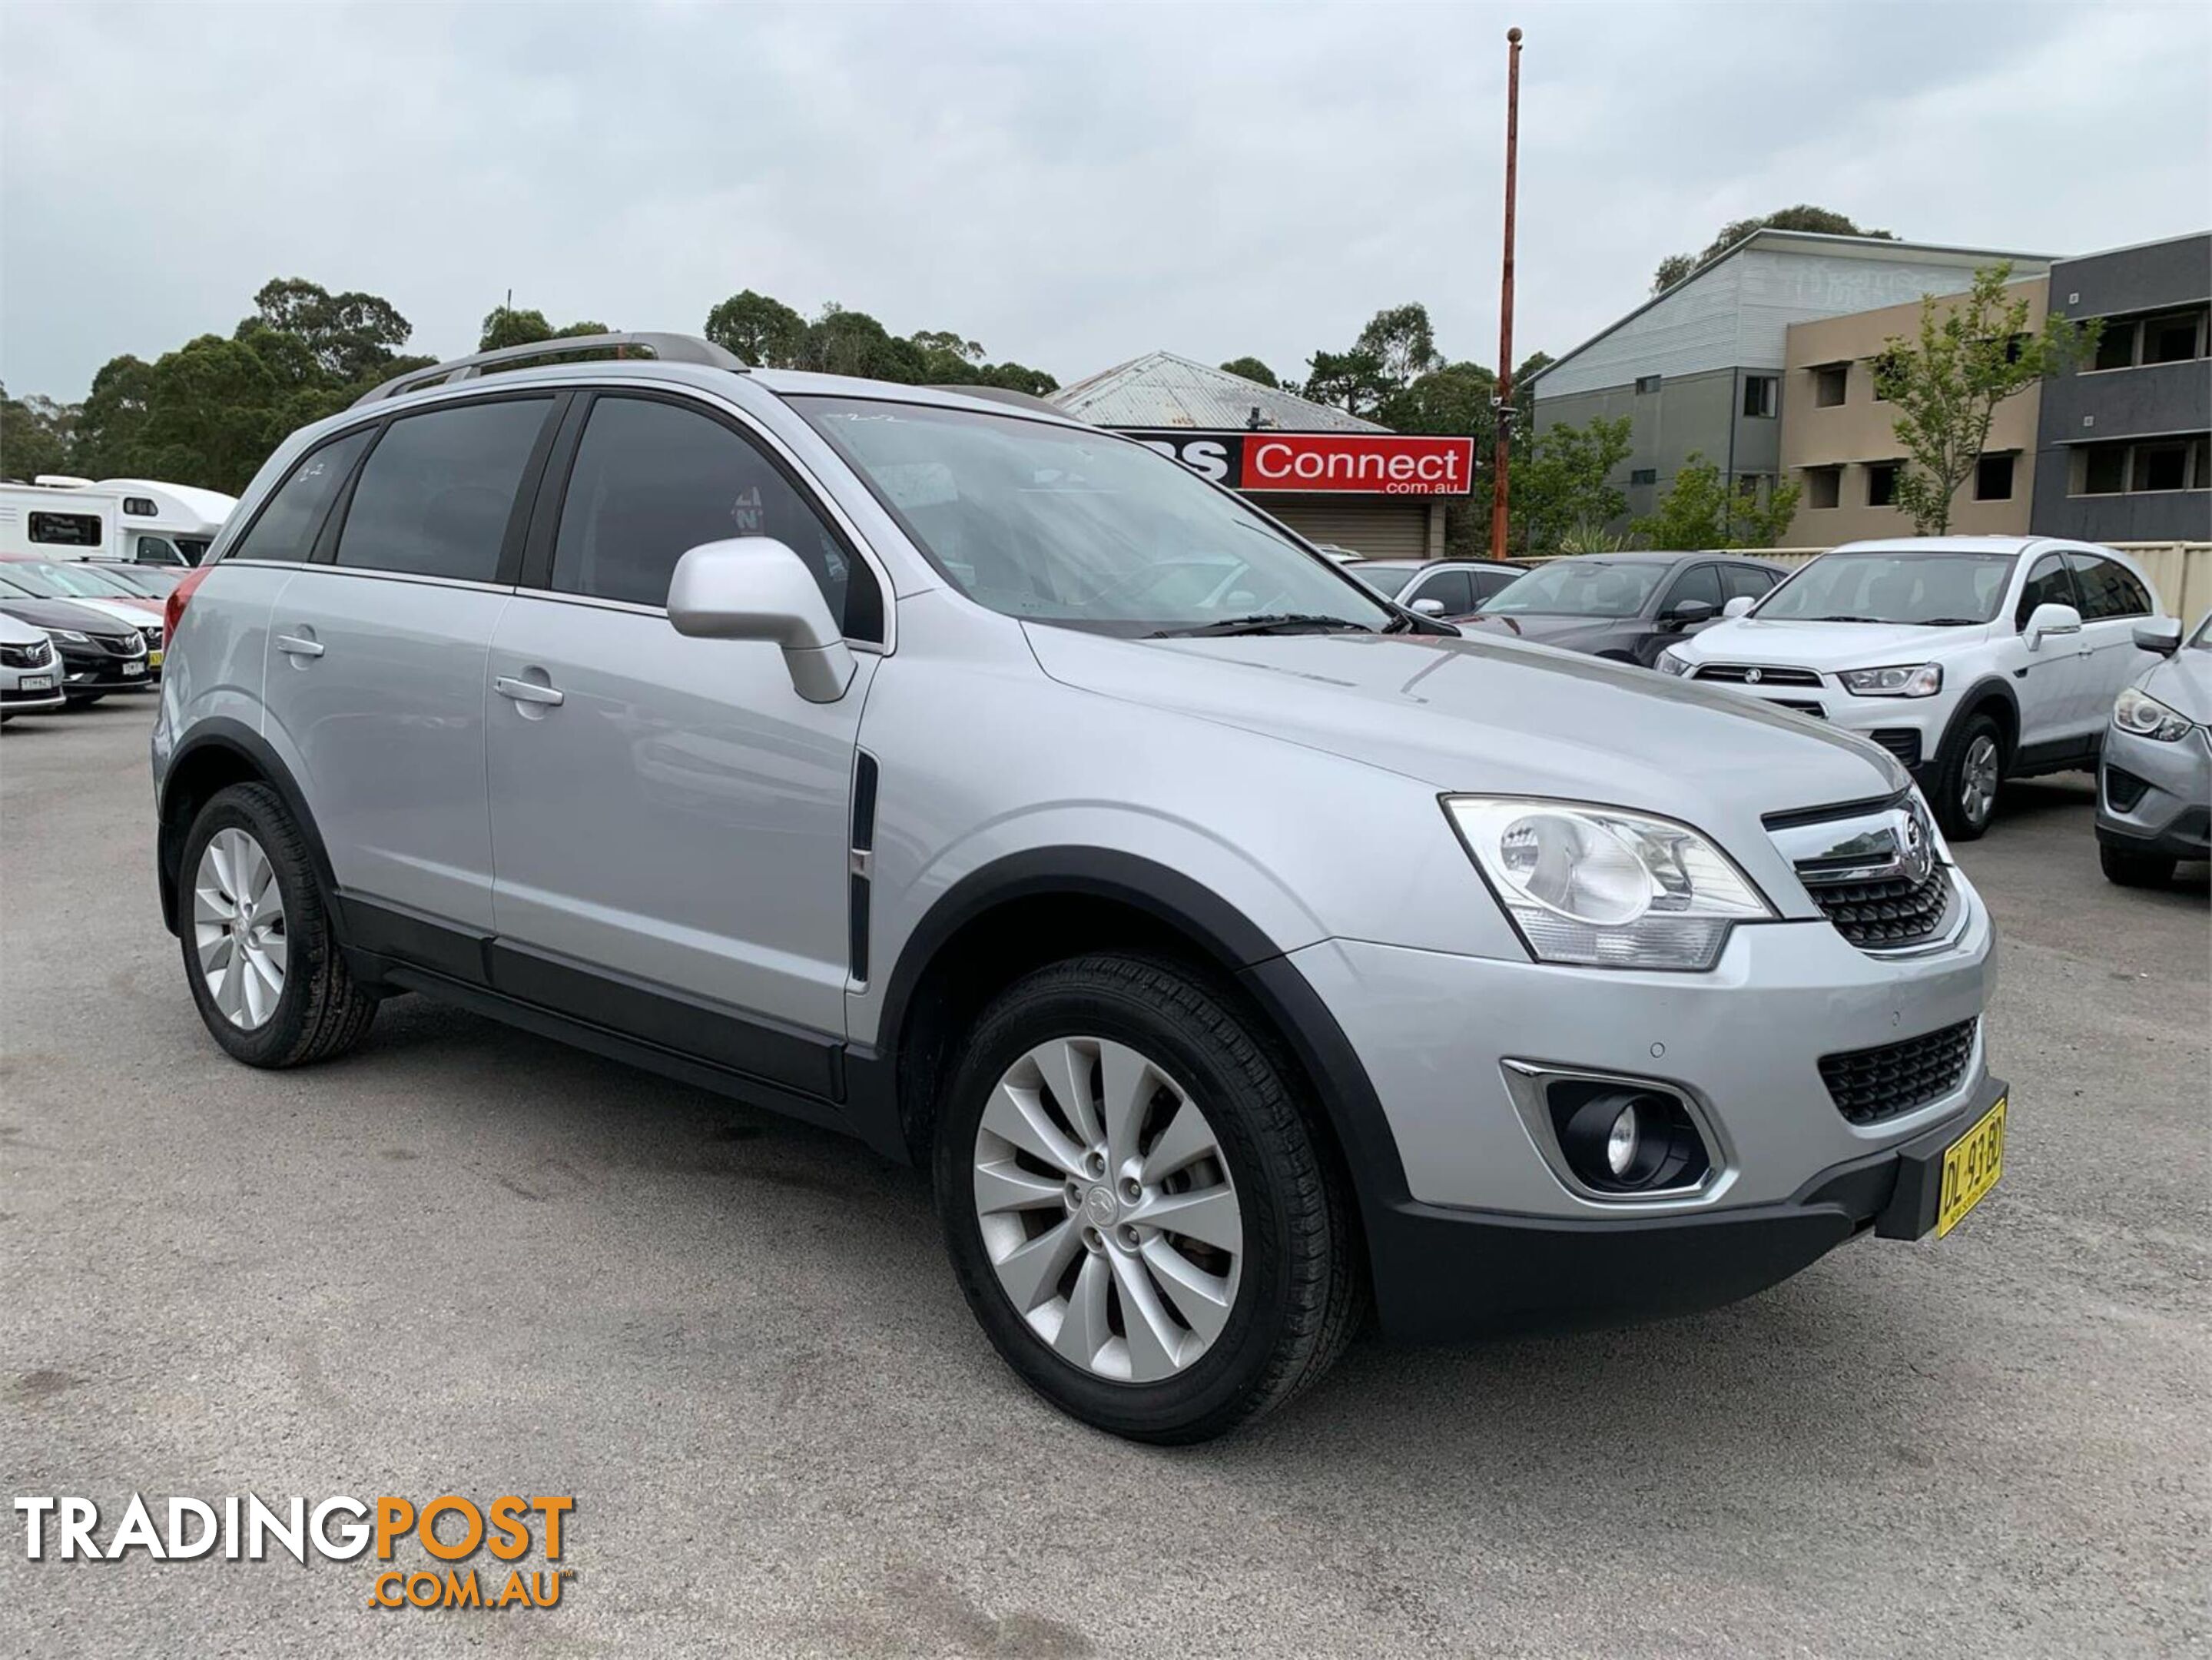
1238,946
223,734
1989,688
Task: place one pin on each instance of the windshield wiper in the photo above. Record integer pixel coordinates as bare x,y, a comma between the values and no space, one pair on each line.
1842,619
1262,622
1949,622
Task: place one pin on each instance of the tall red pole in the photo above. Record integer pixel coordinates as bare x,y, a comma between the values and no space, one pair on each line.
1503,423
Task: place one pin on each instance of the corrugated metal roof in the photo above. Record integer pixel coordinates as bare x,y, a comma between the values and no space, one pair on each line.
1163,390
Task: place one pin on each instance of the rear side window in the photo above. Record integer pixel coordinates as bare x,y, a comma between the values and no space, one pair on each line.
2107,589
1745,582
1487,582
2048,584
286,527
652,480
435,495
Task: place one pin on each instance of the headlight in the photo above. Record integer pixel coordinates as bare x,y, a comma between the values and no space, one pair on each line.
70,635
1672,662
2146,717
1907,680
1604,888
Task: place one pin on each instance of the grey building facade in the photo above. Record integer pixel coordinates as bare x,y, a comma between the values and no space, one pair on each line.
1699,370
2124,447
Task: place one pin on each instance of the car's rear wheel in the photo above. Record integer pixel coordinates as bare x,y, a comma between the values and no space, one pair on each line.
1136,1207
2135,870
259,954
1969,773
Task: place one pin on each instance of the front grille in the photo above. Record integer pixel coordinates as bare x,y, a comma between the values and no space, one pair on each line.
152,633
1738,674
36,655
1886,912
1870,1086
120,645
1903,742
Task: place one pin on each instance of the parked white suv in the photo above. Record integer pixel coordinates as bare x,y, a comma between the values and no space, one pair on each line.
1970,658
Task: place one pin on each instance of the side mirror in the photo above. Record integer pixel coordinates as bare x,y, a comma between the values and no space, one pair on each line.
1684,613
1739,606
2045,621
2161,634
755,587
1429,607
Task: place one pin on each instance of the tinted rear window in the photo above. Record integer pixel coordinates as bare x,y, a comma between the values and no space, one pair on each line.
434,497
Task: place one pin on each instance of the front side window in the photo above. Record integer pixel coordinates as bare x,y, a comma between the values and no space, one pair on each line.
157,550
1063,524
652,480
1931,589
1698,582
2107,589
435,493
2048,584
1579,587
287,526
1449,588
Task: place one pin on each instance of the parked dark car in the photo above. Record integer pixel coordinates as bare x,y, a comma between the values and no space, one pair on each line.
99,654
1455,587
1627,606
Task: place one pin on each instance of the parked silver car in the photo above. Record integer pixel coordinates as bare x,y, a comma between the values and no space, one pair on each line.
1232,952
2154,775
30,669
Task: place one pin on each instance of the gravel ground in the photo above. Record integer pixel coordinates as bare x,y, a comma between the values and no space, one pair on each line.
464,1261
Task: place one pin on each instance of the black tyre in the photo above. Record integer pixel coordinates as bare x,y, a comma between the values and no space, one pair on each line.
2135,870
1136,1205
1968,774
262,963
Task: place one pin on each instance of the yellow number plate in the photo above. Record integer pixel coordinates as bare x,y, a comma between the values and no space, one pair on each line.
153,659
1971,1166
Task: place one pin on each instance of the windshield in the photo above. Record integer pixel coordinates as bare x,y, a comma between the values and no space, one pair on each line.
1577,587
30,580
1388,581
78,583
1914,588
1059,525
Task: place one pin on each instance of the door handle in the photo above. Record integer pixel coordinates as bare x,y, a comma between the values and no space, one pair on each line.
293,645
526,691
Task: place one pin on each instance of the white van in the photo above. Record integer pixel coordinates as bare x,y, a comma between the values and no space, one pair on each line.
60,521
162,524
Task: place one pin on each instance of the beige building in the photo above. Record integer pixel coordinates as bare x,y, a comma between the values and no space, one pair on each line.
1839,447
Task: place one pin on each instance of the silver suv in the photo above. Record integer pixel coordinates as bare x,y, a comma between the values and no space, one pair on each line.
1236,952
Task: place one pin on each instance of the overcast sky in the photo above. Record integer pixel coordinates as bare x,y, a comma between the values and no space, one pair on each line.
1070,185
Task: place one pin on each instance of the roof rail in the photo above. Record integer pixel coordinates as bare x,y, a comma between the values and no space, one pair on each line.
666,348
1021,400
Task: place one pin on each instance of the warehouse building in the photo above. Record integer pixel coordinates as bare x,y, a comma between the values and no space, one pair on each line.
1331,476
1699,369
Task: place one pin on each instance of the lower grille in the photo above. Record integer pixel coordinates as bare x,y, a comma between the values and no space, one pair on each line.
1870,1086
1903,742
2123,788
1813,706
1886,912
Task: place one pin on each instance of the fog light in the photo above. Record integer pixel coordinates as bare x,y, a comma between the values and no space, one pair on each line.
1620,1143
1620,1139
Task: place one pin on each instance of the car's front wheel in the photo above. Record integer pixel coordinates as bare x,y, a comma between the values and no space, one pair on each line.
2135,870
1970,771
259,954
1135,1204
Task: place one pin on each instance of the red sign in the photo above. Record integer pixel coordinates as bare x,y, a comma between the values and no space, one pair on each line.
1378,464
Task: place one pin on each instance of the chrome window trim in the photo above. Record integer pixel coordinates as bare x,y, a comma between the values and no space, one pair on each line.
1524,1085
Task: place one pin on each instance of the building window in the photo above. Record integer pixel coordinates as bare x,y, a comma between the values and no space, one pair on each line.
2172,339
1748,484
1881,484
1643,476
2152,466
2116,346
1645,382
1824,486
1876,367
1831,385
1993,479
1760,394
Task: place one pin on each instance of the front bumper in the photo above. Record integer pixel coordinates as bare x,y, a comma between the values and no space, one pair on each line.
2168,791
1442,1274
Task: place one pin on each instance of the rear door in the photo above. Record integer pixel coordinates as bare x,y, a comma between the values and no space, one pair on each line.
670,818
2113,600
375,671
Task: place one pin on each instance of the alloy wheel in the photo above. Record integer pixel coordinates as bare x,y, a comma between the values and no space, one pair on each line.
1978,779
1107,1209
238,928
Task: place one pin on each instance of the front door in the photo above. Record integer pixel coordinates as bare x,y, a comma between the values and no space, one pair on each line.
667,811
2048,681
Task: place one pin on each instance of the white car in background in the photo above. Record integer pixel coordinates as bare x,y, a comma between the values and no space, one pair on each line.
1970,658
30,669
